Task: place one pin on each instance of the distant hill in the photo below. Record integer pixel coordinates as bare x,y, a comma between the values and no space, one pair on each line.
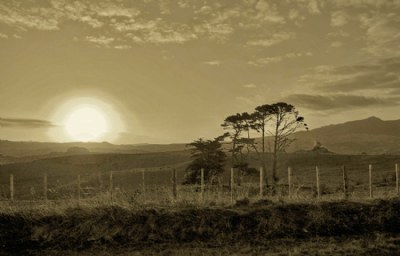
370,136
52,149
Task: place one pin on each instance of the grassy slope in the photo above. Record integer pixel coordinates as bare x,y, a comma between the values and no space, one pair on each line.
255,224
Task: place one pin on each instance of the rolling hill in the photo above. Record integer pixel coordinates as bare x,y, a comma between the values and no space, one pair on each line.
370,136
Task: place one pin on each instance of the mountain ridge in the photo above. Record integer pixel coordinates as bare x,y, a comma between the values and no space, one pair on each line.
371,135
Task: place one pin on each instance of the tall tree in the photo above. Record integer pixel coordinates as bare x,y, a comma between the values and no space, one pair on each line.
238,124
285,121
207,155
258,122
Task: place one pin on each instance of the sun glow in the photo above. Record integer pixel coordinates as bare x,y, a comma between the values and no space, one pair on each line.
86,123
93,118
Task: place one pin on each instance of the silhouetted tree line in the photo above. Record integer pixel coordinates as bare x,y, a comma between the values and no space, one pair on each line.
279,121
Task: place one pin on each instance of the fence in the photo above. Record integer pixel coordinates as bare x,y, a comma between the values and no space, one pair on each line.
164,185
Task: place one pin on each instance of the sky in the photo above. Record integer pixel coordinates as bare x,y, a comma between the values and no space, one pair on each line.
171,70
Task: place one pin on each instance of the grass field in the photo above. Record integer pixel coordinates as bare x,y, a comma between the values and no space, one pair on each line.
128,171
326,228
130,220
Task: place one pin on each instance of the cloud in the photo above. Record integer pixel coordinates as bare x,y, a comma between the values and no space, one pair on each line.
273,40
122,47
314,6
277,59
108,9
336,44
295,16
24,123
364,4
339,33
41,19
339,19
339,101
382,34
100,40
212,63
375,78
4,36
249,86
267,12
216,24
218,32
155,31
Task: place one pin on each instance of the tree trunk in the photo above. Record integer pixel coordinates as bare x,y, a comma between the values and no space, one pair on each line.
275,155
263,156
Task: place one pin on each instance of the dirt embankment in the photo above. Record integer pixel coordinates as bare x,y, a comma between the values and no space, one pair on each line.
85,228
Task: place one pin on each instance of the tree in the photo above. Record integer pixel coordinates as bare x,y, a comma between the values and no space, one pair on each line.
258,122
285,121
207,155
237,124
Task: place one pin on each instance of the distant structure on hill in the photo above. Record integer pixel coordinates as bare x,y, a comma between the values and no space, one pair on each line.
318,148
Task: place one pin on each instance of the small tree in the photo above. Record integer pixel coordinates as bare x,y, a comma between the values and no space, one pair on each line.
285,121
207,155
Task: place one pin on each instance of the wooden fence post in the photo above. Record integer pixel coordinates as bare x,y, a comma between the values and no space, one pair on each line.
45,187
397,178
11,187
111,186
79,188
261,182
232,184
345,183
290,182
174,193
202,183
318,188
370,181
143,185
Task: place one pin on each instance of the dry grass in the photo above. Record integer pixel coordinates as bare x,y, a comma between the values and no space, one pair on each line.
94,224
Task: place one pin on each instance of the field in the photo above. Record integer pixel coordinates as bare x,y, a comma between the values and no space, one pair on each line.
147,177
136,212
330,228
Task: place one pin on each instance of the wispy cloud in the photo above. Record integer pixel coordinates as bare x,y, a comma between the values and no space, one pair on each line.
249,86
339,19
340,101
276,59
336,44
122,47
382,32
339,33
4,36
369,84
383,74
212,63
24,123
272,40
314,6
155,31
101,40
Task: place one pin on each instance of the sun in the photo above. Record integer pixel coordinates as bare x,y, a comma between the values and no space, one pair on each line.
86,123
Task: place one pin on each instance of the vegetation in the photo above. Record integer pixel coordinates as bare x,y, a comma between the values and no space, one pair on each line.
207,155
132,227
279,120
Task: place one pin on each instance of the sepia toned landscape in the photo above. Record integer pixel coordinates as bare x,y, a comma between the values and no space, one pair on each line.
188,127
